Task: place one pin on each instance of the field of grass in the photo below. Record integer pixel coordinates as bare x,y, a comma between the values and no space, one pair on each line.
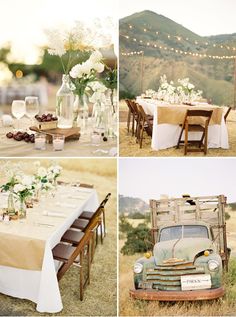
101,295
129,147
225,306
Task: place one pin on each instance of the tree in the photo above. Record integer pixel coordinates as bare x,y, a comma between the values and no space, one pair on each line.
138,240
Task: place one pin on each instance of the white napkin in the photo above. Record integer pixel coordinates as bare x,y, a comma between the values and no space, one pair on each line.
7,120
53,214
65,205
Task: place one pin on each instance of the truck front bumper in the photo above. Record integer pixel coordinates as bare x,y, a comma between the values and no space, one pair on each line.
151,294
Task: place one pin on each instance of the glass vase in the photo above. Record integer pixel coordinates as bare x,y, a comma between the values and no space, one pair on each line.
10,204
82,113
99,116
22,209
64,104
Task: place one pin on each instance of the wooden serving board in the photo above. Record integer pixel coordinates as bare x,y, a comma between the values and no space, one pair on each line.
70,134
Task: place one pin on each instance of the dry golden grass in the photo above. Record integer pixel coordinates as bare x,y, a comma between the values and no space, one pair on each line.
101,295
129,307
129,147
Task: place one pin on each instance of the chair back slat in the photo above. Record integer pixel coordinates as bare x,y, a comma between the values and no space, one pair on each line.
227,113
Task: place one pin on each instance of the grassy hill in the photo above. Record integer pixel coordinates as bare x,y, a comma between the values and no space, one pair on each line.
132,205
214,77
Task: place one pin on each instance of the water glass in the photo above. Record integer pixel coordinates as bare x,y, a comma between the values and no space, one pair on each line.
18,110
32,107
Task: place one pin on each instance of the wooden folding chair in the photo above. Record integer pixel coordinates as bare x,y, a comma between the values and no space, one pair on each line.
87,216
188,127
135,119
145,123
227,113
70,255
130,113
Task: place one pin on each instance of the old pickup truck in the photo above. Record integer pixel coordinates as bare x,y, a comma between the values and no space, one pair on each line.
190,251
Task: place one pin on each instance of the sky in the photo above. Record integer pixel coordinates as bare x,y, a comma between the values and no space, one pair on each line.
148,178
23,21
204,17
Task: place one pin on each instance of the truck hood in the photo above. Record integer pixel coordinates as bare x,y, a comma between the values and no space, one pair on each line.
185,249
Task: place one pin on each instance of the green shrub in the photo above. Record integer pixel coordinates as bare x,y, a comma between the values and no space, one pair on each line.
138,240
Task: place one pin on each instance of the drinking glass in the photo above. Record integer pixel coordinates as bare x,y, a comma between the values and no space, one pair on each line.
18,110
32,107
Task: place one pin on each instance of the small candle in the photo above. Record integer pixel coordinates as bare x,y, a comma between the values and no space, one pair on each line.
40,141
6,218
58,142
95,138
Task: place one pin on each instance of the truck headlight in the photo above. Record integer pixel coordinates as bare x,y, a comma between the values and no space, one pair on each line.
213,265
138,267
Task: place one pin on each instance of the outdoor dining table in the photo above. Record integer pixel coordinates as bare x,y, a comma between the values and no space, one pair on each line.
167,119
27,268
73,148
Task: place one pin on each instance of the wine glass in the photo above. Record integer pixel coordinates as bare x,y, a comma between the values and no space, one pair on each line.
18,110
32,107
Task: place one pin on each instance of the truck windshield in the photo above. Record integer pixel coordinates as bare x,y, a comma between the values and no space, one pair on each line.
188,231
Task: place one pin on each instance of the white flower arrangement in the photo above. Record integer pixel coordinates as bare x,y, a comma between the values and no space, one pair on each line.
83,74
184,92
150,93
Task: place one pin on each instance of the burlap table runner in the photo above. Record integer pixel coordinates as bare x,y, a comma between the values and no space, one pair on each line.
21,252
175,114
22,243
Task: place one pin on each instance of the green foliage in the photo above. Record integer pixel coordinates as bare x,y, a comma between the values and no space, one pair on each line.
136,215
138,240
124,225
109,78
126,94
227,216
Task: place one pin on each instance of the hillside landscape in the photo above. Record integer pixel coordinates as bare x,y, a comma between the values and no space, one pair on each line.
214,76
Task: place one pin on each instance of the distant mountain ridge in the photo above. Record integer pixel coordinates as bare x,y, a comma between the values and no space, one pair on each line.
214,77
132,205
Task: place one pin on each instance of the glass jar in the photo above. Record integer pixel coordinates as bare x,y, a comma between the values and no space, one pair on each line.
64,104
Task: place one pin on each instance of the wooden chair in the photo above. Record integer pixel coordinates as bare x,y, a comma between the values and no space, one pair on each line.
145,123
130,113
135,121
227,113
195,128
70,255
87,216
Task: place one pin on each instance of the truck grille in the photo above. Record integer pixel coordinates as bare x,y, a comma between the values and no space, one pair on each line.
167,277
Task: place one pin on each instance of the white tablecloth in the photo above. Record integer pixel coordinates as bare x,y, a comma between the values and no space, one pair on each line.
166,135
42,286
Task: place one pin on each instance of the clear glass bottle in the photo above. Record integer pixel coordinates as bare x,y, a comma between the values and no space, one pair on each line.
10,204
64,104
22,209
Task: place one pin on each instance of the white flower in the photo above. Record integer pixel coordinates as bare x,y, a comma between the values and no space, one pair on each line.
96,86
42,172
95,57
18,188
27,181
99,67
190,86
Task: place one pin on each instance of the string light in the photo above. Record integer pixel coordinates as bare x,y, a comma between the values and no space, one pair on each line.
179,38
132,53
177,51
